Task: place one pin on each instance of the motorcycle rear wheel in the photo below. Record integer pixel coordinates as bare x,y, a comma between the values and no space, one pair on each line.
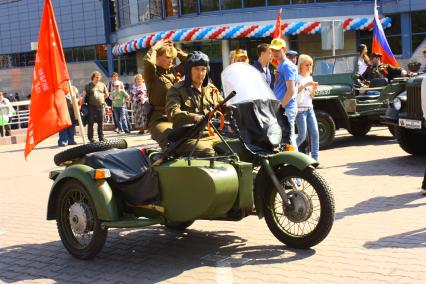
311,220
77,221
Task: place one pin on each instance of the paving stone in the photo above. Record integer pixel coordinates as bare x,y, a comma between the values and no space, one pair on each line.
379,234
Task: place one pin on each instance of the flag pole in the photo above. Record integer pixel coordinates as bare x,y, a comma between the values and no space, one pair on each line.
76,111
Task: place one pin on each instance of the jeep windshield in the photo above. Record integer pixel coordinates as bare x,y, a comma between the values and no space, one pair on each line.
335,65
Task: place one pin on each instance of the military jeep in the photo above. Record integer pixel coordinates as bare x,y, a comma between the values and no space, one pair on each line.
341,102
406,113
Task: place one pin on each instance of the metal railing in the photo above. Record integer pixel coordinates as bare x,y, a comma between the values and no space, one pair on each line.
109,119
22,112
20,118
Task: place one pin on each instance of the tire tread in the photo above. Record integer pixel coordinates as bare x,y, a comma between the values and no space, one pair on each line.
81,150
327,210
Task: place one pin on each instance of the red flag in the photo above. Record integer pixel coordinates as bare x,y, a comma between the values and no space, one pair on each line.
380,43
278,32
48,108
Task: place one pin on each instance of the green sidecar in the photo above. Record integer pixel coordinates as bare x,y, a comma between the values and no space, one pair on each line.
107,185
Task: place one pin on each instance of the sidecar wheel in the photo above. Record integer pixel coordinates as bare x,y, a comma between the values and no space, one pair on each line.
178,226
77,221
311,220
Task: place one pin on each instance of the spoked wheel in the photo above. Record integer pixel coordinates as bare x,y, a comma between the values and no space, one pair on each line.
78,225
309,218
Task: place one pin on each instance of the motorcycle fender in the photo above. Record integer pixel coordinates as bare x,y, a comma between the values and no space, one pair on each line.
299,160
100,191
296,159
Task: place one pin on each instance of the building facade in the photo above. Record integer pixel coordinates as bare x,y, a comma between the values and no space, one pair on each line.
218,26
81,24
114,35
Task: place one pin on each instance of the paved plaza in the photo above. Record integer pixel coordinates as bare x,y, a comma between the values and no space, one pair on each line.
379,235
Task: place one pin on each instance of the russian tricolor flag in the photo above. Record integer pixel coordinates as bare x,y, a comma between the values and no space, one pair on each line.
380,44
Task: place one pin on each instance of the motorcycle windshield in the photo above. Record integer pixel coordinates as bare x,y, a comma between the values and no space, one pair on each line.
247,82
255,107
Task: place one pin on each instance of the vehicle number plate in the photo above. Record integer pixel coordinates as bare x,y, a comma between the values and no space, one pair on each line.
409,123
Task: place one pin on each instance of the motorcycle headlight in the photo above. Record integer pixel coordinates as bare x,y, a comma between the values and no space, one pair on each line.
397,104
274,134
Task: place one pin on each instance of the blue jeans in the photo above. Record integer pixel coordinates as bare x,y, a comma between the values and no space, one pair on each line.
291,114
306,120
66,136
121,119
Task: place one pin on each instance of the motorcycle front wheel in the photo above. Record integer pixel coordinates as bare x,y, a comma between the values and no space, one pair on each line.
310,216
78,225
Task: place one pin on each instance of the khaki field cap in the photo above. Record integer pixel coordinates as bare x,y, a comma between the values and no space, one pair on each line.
240,53
277,44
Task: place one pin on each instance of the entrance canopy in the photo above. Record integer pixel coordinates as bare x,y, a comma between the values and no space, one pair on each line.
240,31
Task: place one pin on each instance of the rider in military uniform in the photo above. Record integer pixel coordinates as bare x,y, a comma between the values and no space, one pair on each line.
379,70
189,100
160,74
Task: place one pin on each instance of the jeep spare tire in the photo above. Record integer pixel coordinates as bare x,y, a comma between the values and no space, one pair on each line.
359,128
326,129
79,151
411,141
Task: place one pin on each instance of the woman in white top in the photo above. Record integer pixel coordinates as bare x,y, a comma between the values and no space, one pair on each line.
305,119
363,60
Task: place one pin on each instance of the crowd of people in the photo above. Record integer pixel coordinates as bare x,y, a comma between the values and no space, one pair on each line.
168,95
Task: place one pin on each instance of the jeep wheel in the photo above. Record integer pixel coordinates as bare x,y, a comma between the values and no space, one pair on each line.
392,130
326,129
359,128
410,141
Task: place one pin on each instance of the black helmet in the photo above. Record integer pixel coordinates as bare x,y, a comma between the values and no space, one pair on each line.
196,58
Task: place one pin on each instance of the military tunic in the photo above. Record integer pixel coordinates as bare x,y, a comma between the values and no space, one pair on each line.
183,105
158,81
381,71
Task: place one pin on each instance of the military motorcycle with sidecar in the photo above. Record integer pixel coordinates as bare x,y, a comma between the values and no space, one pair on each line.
105,185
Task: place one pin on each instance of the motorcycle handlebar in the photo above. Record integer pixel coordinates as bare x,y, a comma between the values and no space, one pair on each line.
218,106
222,103
193,132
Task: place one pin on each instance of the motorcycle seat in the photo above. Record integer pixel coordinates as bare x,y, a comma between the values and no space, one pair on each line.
125,165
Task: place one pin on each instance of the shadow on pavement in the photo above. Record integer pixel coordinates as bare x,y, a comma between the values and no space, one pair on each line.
145,255
368,140
382,204
407,240
396,166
